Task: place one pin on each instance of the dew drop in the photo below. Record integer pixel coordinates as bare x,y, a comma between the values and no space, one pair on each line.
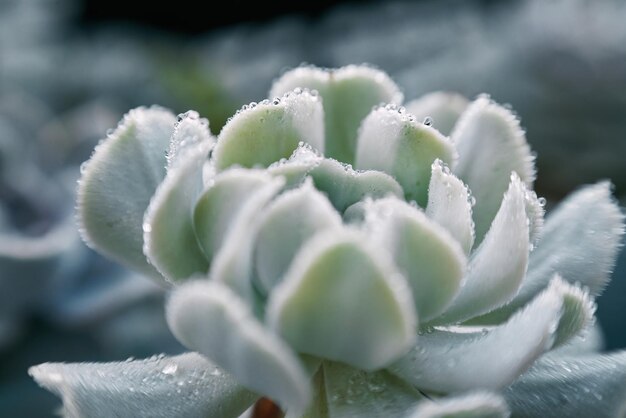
170,369
542,201
428,121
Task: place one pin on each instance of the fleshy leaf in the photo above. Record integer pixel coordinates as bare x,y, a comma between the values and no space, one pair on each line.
441,107
345,186
286,224
456,360
498,265
491,145
580,240
261,134
450,206
393,141
189,131
592,385
221,203
118,182
430,259
233,263
208,317
299,164
470,405
356,393
342,300
348,95
170,242
151,388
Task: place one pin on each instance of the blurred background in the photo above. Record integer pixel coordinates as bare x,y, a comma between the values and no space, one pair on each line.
70,69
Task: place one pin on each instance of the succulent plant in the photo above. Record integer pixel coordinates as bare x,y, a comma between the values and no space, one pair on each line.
325,251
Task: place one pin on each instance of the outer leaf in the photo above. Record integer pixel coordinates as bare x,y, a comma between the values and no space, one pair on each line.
118,182
591,385
491,145
284,226
578,311
355,393
348,93
498,266
441,107
446,361
207,317
345,186
392,141
580,240
471,405
450,206
185,385
169,238
263,134
430,259
342,300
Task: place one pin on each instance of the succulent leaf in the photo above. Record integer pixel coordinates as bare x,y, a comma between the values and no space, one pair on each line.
118,182
348,93
393,141
342,300
209,318
442,108
145,388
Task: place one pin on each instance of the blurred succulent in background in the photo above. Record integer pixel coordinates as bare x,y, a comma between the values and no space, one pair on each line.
332,252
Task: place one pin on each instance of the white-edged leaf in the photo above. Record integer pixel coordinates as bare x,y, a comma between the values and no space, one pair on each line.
118,182
445,361
580,241
189,131
441,107
578,312
346,186
284,226
470,405
261,134
342,300
592,385
233,262
491,145
299,164
393,141
432,262
348,95
450,206
170,242
160,387
209,318
352,393
220,204
498,265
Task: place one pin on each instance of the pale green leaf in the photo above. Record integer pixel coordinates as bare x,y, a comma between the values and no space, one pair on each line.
498,265
592,385
284,226
345,186
118,182
261,134
353,393
441,107
208,317
170,242
348,95
460,359
342,300
425,253
580,241
470,405
491,144
449,204
189,131
160,387
393,141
